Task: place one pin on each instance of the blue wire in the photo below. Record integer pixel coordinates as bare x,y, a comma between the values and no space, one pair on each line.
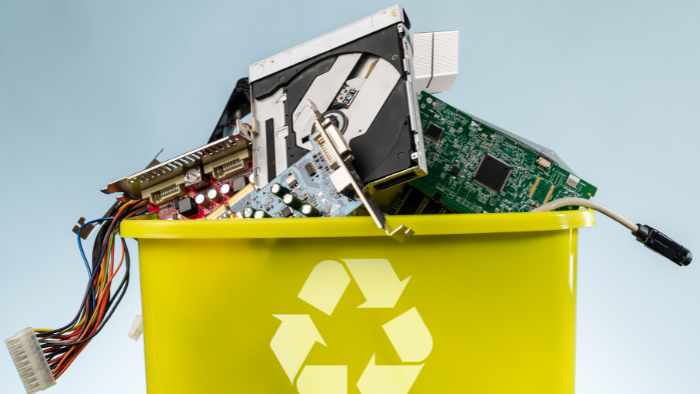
92,275
82,253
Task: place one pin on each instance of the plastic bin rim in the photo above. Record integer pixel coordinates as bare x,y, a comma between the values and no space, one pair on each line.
357,226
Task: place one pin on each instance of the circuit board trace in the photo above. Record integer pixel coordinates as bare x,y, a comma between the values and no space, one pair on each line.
474,168
309,180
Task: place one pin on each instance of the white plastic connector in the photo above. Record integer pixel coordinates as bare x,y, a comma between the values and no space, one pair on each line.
435,60
29,361
136,328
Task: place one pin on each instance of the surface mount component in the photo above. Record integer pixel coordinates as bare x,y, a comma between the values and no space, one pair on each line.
433,132
289,192
187,207
491,173
360,77
476,167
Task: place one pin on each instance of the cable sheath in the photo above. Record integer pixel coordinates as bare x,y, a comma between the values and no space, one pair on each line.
582,202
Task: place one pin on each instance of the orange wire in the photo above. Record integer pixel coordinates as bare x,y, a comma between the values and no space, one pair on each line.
76,350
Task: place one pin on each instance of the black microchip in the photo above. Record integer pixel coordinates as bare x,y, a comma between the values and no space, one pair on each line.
238,184
187,207
433,132
492,173
293,184
286,212
454,170
310,169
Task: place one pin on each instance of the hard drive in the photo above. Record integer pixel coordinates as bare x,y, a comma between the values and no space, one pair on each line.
361,76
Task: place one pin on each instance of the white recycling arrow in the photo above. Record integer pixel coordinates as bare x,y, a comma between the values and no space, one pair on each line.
388,379
323,379
325,285
410,336
293,341
378,282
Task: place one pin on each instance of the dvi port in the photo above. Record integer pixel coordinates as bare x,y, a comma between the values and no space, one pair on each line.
165,191
229,165
330,158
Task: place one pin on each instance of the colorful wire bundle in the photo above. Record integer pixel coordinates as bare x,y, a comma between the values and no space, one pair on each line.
61,346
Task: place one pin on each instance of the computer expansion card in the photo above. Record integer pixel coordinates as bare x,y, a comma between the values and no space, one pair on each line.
474,167
304,189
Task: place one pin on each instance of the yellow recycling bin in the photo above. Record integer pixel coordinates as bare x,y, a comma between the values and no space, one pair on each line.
470,304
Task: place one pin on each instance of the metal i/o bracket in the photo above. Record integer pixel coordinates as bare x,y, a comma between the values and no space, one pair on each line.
338,148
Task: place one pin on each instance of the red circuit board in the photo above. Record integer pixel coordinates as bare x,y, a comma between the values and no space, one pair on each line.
168,210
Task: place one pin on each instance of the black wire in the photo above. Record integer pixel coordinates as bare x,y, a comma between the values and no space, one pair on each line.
113,302
107,230
110,310
56,352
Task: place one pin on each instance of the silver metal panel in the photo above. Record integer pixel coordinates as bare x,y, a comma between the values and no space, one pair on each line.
132,185
545,152
281,134
347,175
325,43
269,107
380,82
322,92
412,94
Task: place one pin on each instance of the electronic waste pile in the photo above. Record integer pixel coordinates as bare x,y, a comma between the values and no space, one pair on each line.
335,122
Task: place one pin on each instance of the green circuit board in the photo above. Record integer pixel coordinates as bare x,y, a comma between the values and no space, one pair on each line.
473,168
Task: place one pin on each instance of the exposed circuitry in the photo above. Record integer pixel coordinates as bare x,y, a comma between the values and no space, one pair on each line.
169,210
309,183
474,168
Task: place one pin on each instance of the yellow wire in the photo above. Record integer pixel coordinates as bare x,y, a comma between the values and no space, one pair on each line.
125,206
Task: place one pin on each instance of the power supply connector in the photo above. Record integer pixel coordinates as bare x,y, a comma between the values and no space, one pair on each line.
30,362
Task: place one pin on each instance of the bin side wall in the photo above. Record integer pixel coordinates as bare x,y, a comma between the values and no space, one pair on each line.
500,309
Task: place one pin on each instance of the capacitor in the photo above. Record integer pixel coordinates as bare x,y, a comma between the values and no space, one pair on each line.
309,210
248,212
214,195
261,215
202,200
226,190
278,190
291,200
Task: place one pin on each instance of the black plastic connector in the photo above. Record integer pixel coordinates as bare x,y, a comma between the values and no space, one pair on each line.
663,245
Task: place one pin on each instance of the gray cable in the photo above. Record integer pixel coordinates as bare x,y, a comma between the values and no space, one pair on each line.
581,202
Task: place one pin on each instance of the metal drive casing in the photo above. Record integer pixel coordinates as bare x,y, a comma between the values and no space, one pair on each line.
361,75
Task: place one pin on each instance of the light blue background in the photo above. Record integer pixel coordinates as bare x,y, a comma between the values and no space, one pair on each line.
90,91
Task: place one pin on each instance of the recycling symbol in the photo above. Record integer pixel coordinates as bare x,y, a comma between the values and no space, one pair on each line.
324,288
